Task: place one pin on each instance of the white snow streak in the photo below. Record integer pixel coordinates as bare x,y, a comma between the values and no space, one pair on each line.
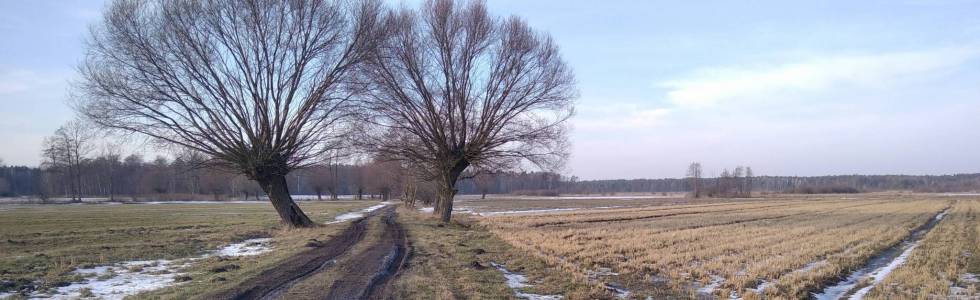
132,277
518,281
357,214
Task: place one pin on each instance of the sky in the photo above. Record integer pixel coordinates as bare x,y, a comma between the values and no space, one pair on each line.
787,87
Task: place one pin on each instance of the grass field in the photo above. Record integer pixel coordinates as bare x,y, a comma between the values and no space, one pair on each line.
42,245
772,248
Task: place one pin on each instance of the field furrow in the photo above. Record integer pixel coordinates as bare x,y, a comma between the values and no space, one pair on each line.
736,245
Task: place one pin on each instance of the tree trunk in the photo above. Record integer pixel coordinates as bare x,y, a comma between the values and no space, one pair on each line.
445,202
275,186
444,205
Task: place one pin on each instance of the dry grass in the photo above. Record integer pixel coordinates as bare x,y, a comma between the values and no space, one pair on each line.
942,258
743,242
497,203
442,257
41,244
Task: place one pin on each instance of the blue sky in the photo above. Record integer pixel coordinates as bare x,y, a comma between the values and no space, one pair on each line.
789,88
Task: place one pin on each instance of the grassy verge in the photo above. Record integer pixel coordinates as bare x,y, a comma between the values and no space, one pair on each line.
42,244
453,262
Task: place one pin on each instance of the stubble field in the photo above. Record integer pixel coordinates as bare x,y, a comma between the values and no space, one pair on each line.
790,248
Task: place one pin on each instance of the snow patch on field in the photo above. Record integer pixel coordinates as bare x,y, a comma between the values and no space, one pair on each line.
123,279
517,281
761,288
810,266
246,248
715,283
461,210
883,272
197,202
878,267
132,277
530,211
358,214
576,197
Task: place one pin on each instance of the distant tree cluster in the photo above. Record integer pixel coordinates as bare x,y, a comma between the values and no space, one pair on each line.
109,175
734,183
785,184
185,177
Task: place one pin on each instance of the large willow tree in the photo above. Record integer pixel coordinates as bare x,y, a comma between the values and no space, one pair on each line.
259,86
457,90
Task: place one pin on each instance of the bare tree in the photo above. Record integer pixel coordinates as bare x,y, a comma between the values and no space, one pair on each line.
694,175
64,151
4,185
261,87
456,88
108,165
384,177
483,183
739,181
748,182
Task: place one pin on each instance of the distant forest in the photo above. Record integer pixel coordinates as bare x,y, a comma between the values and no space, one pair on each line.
133,178
793,184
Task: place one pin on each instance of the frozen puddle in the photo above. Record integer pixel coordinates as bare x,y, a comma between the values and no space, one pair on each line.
545,210
878,267
518,281
133,277
357,214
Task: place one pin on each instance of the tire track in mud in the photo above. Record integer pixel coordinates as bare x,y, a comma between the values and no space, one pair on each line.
369,272
365,274
271,283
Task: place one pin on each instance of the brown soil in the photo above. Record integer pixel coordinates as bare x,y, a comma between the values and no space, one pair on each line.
365,275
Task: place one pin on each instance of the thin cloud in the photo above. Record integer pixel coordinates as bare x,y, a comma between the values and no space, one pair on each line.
620,116
714,86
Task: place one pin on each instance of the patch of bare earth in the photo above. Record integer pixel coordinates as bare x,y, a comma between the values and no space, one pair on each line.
366,265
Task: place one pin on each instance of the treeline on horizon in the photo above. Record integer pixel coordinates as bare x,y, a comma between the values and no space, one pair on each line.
830,184
133,178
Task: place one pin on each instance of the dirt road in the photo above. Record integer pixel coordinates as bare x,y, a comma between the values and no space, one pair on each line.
362,275
366,275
